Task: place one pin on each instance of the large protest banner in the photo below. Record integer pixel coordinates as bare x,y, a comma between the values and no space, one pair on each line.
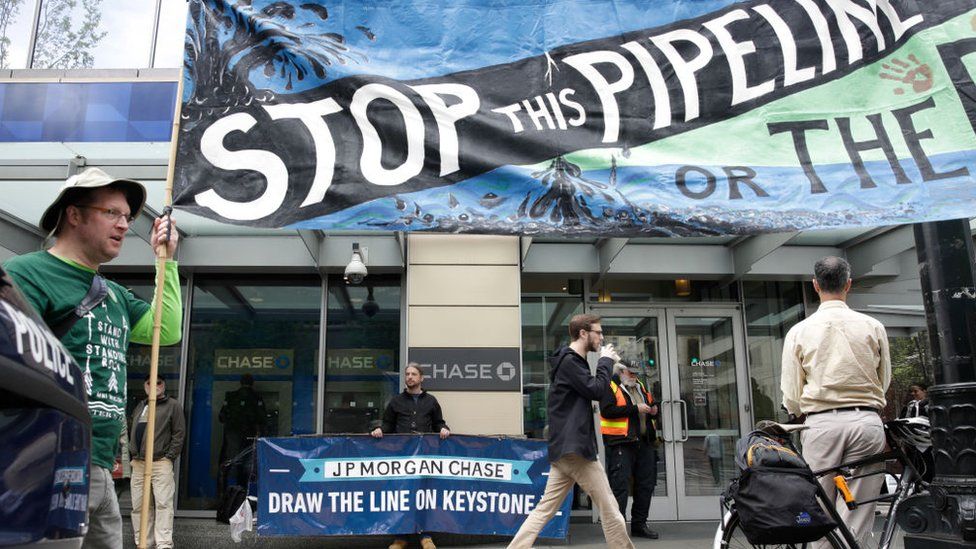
401,484
611,117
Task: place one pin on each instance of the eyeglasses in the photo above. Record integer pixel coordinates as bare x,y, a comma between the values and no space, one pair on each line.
596,331
110,213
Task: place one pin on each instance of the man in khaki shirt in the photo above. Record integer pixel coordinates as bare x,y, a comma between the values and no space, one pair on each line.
836,368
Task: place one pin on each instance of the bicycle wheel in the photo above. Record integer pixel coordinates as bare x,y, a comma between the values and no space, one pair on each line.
732,537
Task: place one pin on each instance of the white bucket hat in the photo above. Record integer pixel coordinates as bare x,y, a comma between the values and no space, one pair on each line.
92,178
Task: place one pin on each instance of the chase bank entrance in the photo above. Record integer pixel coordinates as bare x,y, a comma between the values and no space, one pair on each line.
693,362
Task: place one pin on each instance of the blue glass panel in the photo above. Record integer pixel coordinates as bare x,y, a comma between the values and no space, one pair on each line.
23,102
95,111
153,102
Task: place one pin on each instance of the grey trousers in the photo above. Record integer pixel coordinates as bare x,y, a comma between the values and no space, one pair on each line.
104,518
837,437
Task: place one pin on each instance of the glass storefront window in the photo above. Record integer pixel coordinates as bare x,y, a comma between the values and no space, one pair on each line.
252,369
170,34
99,34
545,328
16,20
362,358
771,309
661,291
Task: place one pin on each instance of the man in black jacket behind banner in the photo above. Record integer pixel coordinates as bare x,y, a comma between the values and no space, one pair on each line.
572,437
413,411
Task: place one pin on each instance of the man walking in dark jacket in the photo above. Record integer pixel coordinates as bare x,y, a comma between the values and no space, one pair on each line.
572,438
627,415
413,411
170,432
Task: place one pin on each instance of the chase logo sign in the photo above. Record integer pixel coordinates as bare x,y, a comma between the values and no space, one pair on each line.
359,361
257,362
474,369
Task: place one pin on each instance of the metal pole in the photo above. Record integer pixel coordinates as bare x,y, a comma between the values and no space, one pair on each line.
32,43
946,517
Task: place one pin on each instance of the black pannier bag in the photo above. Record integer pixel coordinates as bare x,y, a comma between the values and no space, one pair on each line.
776,494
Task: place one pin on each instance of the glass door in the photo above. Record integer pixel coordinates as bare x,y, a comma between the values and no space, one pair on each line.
639,337
706,363
693,363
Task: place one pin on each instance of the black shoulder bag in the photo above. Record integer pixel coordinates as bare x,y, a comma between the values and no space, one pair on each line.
96,294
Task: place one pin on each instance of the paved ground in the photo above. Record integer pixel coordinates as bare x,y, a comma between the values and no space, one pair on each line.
209,534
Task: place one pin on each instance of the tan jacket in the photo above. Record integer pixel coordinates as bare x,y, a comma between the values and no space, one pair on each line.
835,359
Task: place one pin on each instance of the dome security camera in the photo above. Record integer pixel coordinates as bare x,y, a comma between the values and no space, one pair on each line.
356,269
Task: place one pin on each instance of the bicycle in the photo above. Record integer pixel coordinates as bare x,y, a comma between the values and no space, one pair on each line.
901,434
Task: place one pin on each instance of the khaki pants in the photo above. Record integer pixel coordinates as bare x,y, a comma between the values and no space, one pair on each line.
563,474
841,436
160,524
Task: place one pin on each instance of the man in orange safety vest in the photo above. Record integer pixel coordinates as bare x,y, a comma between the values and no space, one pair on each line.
627,414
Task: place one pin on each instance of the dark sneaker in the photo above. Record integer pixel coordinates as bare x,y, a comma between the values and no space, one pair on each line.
643,533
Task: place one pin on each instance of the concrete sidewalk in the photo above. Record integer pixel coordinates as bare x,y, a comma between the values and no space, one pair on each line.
209,534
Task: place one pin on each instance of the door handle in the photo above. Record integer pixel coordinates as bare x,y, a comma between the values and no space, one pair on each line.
665,423
684,420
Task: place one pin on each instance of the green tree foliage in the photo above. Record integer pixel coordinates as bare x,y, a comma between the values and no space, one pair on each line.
66,35
9,10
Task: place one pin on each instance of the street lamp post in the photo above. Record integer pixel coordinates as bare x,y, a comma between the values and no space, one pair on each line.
946,517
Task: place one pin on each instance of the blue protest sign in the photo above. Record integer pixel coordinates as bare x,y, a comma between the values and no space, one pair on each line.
358,485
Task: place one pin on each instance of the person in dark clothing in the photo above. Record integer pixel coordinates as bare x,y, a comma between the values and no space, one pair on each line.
243,416
413,411
627,414
572,438
919,405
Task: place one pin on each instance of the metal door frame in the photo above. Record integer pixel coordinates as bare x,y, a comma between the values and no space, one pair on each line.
676,505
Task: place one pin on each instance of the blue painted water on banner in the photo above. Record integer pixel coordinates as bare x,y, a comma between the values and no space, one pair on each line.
498,201
406,40
401,484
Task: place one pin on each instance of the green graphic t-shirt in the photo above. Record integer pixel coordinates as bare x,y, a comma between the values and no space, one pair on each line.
99,341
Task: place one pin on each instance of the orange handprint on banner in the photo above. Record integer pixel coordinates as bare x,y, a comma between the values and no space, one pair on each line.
916,73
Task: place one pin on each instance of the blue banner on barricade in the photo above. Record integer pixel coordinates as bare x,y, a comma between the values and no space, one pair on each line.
358,485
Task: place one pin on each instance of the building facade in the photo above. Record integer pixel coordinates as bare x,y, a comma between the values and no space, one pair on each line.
705,316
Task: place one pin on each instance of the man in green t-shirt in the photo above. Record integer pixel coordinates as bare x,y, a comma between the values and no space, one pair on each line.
89,219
